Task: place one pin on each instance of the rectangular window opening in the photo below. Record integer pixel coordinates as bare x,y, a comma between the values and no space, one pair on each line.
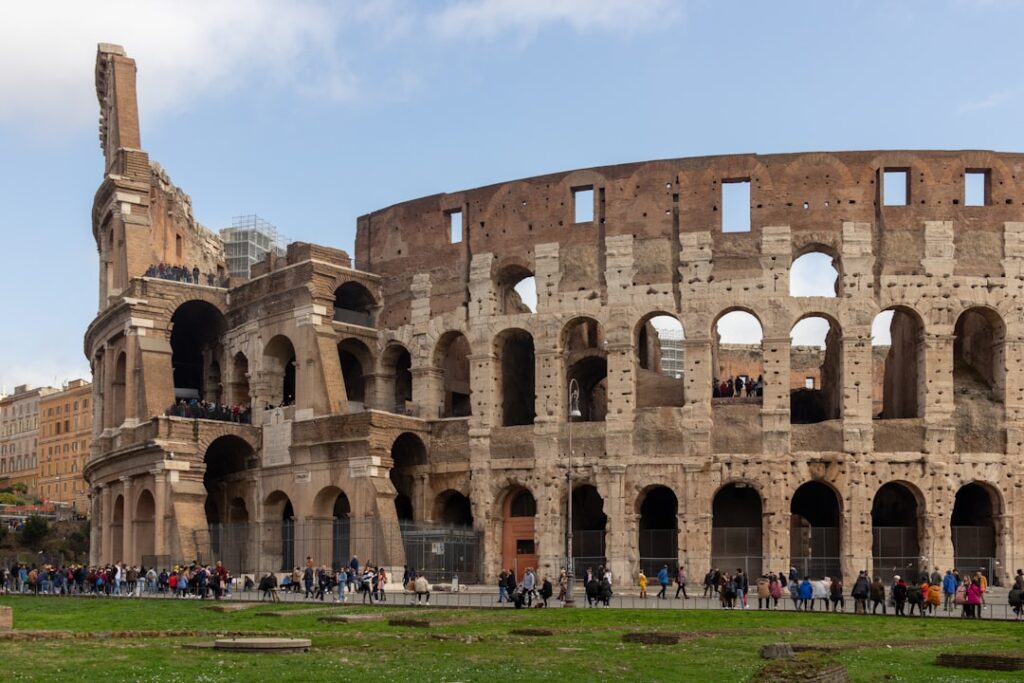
976,187
177,245
736,205
809,383
455,226
895,187
525,546
583,204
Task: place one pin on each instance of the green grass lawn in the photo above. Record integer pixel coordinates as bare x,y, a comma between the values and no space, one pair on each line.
474,645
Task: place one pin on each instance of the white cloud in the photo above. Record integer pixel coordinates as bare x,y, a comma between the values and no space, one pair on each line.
483,19
185,48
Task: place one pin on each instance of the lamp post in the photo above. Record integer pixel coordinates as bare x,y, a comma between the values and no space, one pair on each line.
570,575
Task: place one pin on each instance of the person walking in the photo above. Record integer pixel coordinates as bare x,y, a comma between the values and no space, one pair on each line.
763,593
681,582
775,589
836,594
861,588
806,594
642,582
546,592
663,580
899,594
877,592
974,598
502,592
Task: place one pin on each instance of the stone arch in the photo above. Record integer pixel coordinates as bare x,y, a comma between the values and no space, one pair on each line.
816,369
979,380
453,508
117,530
516,376
816,529
898,521
518,529
396,362
331,504
737,527
143,525
354,304
118,394
658,338
516,289
408,457
586,361
279,539
977,527
280,364
240,394
451,356
196,330
589,527
657,508
737,353
815,272
901,394
356,366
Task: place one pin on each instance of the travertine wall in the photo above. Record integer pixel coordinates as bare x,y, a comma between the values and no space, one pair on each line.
655,246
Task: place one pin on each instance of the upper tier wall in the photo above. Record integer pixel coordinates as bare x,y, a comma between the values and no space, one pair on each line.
655,201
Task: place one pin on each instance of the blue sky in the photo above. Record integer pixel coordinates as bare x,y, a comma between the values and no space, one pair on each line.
311,113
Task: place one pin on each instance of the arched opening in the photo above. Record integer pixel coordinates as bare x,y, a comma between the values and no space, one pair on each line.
398,369
144,529
816,371
453,509
518,540
516,377
240,380
814,274
814,539
588,529
355,361
196,331
737,356
452,356
896,524
333,503
659,351
517,291
973,525
280,364
354,304
117,531
736,529
226,458
117,393
659,530
586,361
408,455
238,513
279,541
979,367
899,334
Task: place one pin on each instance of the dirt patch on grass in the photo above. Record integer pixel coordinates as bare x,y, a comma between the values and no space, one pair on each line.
652,638
532,632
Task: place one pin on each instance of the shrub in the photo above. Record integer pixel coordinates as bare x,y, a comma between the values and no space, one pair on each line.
35,529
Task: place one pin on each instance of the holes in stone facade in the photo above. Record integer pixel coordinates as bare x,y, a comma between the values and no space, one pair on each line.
736,205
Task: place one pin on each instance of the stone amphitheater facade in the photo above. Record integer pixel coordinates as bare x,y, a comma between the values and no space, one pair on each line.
417,384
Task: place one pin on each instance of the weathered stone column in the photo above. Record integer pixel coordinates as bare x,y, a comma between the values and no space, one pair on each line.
858,434
127,549
160,514
428,390
616,540
106,519
97,521
695,522
935,379
856,531
775,406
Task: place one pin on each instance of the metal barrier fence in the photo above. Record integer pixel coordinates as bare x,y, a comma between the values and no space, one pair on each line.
439,552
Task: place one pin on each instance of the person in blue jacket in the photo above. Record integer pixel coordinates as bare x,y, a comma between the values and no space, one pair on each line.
806,594
949,584
663,580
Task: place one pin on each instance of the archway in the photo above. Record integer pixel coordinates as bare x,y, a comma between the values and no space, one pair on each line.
516,377
452,356
660,363
737,356
332,503
117,531
143,531
814,540
517,291
279,363
279,541
226,459
408,455
816,371
354,304
658,540
397,363
240,380
814,274
518,539
117,394
196,331
736,529
979,367
588,529
896,526
453,508
974,530
900,394
586,361
356,361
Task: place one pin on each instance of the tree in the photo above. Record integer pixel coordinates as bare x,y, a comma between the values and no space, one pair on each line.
35,529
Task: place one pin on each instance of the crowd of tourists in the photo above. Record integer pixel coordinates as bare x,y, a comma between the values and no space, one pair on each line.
191,276
208,410
738,387
529,592
367,583
192,581
923,594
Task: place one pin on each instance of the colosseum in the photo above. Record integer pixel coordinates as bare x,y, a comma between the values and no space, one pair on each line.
494,359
